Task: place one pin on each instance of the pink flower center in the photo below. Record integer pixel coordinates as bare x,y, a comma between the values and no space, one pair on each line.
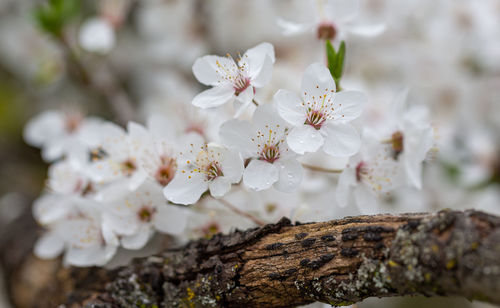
128,167
326,31
145,213
166,171
270,153
72,122
241,83
315,118
360,171
213,171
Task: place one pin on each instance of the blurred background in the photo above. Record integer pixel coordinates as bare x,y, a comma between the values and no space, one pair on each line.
125,59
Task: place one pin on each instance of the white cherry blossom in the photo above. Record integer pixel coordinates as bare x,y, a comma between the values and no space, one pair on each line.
203,166
233,81
58,133
135,216
409,136
320,115
264,142
75,227
118,167
331,19
369,176
157,154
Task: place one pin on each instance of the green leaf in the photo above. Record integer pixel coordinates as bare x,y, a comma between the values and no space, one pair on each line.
339,63
53,15
335,61
331,56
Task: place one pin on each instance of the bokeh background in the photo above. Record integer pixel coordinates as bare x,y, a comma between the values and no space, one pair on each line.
140,53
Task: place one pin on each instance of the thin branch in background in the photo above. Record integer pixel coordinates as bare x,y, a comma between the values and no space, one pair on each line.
110,93
236,210
321,169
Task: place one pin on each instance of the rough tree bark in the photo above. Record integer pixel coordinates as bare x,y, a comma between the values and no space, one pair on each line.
283,265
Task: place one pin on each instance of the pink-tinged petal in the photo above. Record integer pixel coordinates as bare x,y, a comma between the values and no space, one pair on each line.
340,139
290,176
348,105
137,240
212,70
170,219
49,246
214,97
237,135
260,175
290,107
317,82
304,138
186,188
219,187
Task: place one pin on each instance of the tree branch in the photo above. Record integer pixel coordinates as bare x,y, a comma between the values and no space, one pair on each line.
283,265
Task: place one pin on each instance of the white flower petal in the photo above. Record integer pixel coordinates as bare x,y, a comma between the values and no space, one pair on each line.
265,117
242,101
347,180
236,134
95,255
121,225
260,174
366,200
264,75
340,139
254,60
210,70
416,144
44,127
292,28
219,187
290,107
138,240
214,97
170,219
232,166
316,81
186,188
304,138
290,177
342,10
50,208
348,105
49,245
108,234
366,30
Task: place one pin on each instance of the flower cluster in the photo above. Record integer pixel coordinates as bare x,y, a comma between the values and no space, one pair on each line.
110,187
